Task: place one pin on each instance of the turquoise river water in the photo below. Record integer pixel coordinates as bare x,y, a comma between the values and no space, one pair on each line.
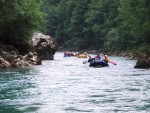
66,85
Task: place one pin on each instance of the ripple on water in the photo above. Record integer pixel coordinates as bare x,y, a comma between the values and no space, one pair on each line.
73,109
66,85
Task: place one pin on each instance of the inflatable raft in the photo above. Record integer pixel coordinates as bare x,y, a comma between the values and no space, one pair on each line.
82,56
98,63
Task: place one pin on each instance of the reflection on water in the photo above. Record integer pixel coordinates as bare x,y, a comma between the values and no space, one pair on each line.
65,85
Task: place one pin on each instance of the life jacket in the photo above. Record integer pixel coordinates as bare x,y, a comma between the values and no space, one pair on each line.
105,59
97,57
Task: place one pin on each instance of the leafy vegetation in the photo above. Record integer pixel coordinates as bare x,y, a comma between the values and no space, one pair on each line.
79,24
100,24
19,18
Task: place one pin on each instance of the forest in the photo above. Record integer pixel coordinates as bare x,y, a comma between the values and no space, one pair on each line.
114,25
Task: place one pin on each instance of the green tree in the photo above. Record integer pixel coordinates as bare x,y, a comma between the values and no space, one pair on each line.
60,26
76,28
135,23
19,18
101,18
99,24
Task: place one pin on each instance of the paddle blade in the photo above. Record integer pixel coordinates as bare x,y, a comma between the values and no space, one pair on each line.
84,62
113,63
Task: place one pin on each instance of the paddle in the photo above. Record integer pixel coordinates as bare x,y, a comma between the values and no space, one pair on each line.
84,62
112,62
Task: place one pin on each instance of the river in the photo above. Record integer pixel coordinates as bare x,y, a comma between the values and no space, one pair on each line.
66,85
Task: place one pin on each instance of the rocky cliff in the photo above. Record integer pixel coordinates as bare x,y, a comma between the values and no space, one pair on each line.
40,47
45,46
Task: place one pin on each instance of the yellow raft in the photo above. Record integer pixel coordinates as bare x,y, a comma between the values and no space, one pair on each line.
82,56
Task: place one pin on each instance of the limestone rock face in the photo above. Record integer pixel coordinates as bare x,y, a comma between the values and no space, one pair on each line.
41,47
45,46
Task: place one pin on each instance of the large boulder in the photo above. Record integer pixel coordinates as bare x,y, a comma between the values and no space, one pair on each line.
45,46
144,61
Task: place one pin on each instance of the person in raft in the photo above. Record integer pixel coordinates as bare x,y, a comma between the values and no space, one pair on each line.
97,57
106,59
91,59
